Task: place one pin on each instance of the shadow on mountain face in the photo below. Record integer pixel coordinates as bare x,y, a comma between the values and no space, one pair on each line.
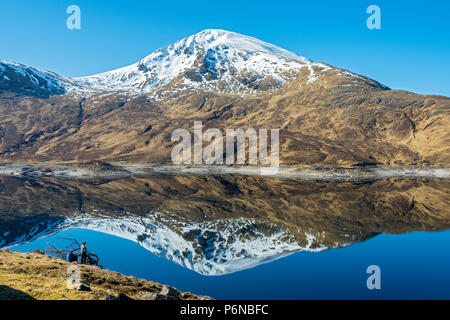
29,81
211,221
30,92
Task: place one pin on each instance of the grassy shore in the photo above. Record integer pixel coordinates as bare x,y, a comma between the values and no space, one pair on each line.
34,276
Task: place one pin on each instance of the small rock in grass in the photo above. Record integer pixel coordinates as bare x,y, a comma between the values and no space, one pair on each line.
154,296
170,292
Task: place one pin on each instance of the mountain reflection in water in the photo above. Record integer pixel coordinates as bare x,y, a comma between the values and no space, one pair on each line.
220,225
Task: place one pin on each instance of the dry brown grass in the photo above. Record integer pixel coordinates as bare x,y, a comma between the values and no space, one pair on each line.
36,276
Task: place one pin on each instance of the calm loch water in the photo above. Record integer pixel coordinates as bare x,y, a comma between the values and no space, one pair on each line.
413,266
245,238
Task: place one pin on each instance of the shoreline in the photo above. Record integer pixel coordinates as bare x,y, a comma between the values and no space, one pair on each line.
98,170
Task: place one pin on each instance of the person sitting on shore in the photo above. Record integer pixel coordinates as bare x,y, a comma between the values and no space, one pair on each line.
72,257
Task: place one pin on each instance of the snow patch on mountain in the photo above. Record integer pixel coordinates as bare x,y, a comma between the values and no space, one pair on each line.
22,78
40,78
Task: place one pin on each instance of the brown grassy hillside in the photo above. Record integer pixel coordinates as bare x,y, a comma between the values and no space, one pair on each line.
30,276
335,120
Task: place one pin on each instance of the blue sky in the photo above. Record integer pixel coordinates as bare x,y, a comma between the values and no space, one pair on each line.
410,52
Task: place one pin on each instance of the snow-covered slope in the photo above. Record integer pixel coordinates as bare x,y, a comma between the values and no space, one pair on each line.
20,78
212,59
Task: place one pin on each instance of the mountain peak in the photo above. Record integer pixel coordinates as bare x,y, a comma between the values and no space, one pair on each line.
212,59
211,38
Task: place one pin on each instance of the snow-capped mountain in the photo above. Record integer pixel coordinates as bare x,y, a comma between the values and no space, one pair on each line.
329,116
18,77
211,59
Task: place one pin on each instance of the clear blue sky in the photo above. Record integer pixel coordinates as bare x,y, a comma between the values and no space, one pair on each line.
410,52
